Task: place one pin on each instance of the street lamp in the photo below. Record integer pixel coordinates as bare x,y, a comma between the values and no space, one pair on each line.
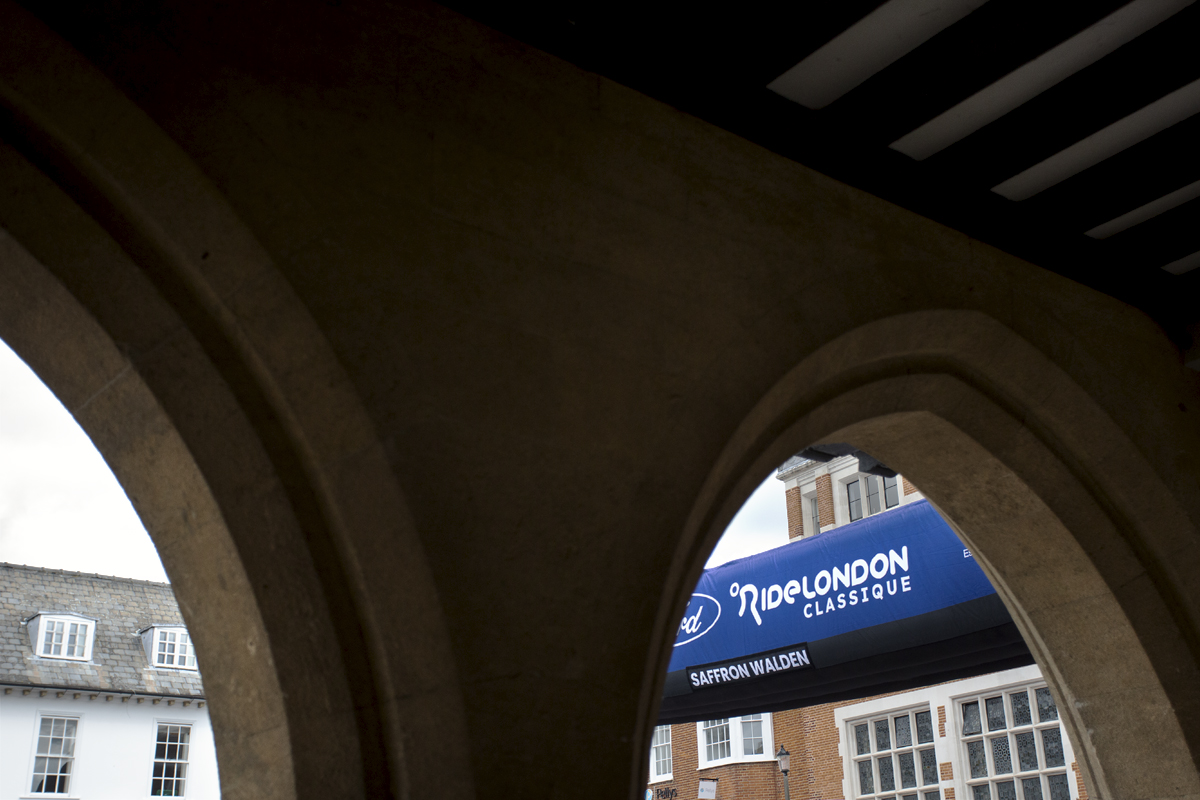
784,759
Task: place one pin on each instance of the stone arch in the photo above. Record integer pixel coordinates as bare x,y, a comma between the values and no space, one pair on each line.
1085,543
134,291
94,380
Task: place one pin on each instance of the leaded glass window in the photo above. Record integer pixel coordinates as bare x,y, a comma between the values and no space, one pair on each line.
929,770
887,780
1052,744
995,714
903,731
1010,755
1059,788
862,739
883,739
1047,710
887,758
924,727
908,770
971,718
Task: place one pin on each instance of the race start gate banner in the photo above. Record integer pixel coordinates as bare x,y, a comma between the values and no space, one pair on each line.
891,602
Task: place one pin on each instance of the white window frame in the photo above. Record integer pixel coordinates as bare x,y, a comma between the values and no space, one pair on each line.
39,625
151,641
1011,731
186,761
811,503
893,753
737,743
864,481
72,775
655,761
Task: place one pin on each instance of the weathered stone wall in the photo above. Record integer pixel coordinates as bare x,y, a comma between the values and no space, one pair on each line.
437,366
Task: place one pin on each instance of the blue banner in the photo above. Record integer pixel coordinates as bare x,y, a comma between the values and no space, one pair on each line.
885,568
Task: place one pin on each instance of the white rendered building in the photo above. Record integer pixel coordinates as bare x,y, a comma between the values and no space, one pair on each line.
100,695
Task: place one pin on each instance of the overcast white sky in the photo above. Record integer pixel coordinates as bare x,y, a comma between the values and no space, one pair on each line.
61,507
760,525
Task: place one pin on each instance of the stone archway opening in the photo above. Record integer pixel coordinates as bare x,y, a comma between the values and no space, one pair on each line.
82,366
1063,513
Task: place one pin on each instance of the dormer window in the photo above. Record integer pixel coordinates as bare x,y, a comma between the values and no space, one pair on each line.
67,636
169,647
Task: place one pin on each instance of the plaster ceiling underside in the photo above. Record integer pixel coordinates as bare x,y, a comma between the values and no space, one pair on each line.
1062,133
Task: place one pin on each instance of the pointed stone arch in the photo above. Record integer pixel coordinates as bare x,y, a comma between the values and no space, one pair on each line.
132,289
1083,540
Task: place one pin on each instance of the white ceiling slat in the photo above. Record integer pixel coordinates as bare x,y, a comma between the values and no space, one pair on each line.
1185,264
1144,212
1091,150
866,47
1028,81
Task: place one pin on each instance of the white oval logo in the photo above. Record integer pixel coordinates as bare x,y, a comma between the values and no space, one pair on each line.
702,614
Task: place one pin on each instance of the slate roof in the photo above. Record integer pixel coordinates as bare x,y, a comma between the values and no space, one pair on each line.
121,606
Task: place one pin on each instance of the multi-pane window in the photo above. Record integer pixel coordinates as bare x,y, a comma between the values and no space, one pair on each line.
752,735
891,492
64,638
1014,746
872,494
660,753
716,740
874,500
854,498
170,760
894,757
55,755
815,515
746,738
174,650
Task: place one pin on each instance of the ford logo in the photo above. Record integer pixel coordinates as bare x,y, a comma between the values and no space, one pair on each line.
702,614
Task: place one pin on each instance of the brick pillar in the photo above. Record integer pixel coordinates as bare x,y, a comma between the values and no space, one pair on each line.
825,499
908,487
795,512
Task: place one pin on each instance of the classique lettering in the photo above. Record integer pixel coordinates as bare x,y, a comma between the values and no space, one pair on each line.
824,592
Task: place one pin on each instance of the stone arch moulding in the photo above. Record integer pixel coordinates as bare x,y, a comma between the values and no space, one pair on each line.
225,364
72,355
1080,536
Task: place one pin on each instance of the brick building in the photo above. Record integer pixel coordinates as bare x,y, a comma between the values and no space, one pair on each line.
101,695
992,737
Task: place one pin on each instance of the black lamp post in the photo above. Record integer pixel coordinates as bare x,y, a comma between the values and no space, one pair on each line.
784,759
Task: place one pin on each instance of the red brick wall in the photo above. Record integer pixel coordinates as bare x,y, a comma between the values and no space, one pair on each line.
1083,795
908,487
811,736
753,781
795,513
825,499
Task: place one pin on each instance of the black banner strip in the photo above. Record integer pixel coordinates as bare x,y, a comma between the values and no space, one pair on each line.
749,668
